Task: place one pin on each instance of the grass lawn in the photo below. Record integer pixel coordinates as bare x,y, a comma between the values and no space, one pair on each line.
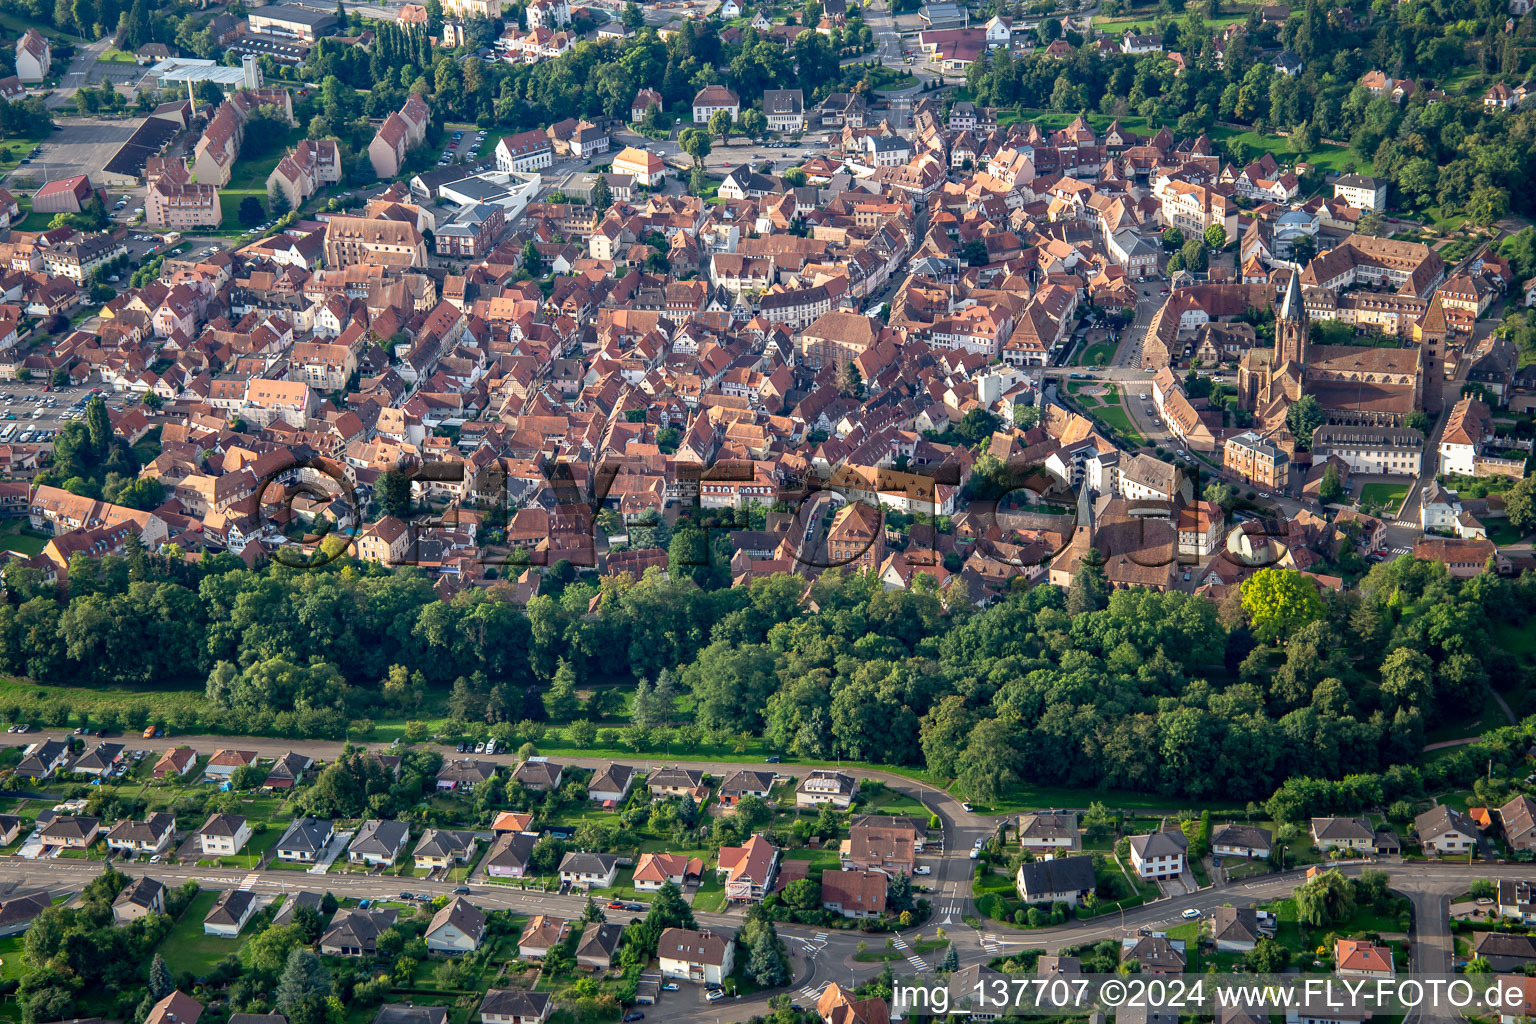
150,701
1501,532
1190,933
710,899
33,222
1116,416
14,964
825,859
885,955
16,537
113,55
249,857
1097,355
896,803
249,177
1516,637
186,948
12,149
20,26
1388,495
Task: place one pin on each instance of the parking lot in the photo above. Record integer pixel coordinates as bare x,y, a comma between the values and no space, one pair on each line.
462,147
32,412
83,146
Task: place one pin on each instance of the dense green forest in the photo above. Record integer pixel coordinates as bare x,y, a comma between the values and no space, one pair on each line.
1162,693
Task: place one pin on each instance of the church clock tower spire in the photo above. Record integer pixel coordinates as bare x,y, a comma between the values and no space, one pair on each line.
1291,325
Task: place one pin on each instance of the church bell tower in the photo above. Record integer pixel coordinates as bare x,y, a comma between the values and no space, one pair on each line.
1291,326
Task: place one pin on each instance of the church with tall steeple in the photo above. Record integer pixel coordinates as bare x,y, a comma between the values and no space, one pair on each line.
1355,384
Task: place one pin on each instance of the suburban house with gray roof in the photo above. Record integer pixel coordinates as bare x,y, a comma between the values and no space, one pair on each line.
1247,841
305,840
1444,831
589,870
1055,880
1159,854
379,842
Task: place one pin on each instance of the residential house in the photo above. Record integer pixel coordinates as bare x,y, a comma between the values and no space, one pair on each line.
40,760
541,934
464,773
288,771
356,932
698,956
140,898
826,786
597,945
742,783
150,836
589,870
1357,958
1342,834
653,870
18,912
676,782
836,1005
539,775
1235,929
70,832
1155,952
749,869
99,760
378,842
229,913
34,56
1159,854
305,841
1045,832
854,893
409,1014
1444,831
224,763
1505,952
176,761
610,785
1518,819
444,848
223,835
1517,900
458,927
889,849
509,854
175,1008
1247,841
1055,879
515,1006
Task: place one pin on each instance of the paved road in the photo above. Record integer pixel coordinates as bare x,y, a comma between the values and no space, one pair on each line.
818,955
81,67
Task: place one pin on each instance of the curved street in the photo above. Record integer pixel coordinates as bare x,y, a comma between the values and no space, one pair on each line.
818,955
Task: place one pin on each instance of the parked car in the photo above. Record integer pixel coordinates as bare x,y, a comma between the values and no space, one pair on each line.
715,994
922,869
634,1015
670,986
